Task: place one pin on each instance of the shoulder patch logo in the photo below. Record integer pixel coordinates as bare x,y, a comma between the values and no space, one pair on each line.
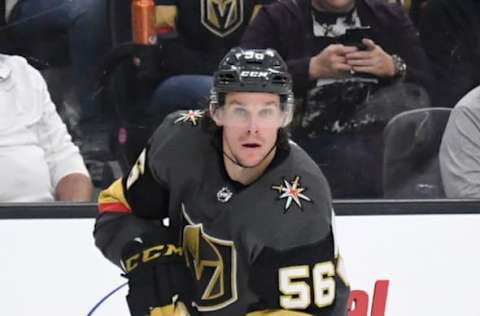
292,191
191,116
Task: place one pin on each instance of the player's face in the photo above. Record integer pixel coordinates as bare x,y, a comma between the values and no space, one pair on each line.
333,5
250,124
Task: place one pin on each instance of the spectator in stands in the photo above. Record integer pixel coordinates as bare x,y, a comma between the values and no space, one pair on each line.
460,149
450,32
58,33
38,160
351,85
204,36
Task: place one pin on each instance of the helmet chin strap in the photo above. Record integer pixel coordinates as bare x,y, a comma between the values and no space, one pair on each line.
238,163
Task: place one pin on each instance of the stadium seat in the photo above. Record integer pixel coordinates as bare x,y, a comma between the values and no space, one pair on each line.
412,141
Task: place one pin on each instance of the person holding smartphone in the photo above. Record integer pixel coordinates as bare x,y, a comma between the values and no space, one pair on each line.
355,63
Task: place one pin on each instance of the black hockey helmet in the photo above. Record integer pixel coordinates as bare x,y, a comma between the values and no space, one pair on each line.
253,70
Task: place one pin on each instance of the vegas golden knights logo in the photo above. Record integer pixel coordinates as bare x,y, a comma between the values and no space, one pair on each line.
221,17
214,265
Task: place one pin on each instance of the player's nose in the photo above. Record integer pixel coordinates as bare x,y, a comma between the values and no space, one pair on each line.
253,125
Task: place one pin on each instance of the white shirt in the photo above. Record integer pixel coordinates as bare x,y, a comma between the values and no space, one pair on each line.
36,151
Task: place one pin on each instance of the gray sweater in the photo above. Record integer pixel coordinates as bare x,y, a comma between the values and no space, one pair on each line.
460,149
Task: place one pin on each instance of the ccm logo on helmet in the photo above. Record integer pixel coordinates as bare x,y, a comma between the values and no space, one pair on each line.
254,74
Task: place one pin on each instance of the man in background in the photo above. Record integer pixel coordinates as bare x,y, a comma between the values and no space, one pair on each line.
38,161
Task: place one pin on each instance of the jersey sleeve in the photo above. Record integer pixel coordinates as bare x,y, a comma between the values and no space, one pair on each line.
131,206
303,280
140,193
139,203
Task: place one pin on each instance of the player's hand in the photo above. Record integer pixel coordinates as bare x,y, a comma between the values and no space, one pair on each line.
331,62
374,60
156,273
158,245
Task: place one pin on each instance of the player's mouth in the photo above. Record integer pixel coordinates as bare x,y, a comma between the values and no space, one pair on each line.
251,145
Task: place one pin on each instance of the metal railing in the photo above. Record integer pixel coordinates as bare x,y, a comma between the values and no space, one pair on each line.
61,210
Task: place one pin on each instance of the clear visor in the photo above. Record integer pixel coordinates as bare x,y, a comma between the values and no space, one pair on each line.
262,116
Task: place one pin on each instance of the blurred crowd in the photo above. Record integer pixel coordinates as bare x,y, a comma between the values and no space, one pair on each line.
387,92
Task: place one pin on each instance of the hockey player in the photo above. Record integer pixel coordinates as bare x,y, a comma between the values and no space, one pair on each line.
221,214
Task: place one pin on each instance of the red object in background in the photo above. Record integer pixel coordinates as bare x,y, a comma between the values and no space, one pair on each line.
379,301
143,22
358,301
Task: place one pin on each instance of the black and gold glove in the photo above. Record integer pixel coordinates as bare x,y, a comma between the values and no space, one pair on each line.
158,278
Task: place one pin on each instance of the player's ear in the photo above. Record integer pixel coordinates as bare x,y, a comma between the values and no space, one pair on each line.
216,115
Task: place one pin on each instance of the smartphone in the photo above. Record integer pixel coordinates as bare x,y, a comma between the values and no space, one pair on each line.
354,36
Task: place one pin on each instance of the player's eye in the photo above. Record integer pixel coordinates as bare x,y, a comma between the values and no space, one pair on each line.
239,112
267,113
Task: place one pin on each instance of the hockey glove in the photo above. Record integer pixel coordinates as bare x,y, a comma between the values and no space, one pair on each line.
157,275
